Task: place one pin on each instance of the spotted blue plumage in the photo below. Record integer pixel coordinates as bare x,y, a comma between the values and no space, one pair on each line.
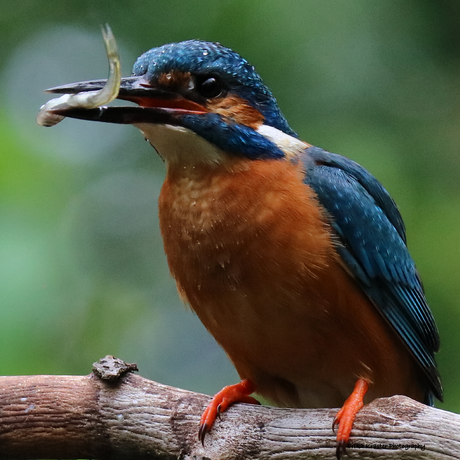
372,243
203,58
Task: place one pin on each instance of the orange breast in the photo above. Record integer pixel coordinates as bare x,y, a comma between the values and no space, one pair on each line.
252,253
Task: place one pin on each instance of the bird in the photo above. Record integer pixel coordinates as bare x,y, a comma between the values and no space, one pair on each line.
294,258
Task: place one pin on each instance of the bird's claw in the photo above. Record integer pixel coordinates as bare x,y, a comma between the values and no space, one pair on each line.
230,394
204,428
335,423
340,449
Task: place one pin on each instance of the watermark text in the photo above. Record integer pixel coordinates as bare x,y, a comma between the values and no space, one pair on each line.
389,446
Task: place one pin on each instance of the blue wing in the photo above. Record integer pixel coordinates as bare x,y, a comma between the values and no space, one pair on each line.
373,247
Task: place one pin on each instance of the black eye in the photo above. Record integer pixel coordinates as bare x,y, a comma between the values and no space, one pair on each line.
209,87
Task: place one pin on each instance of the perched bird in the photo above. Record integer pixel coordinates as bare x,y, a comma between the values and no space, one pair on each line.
294,258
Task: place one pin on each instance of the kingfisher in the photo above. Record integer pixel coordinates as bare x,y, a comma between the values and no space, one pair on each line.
294,258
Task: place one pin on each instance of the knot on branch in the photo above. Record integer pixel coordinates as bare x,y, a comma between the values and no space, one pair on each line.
111,368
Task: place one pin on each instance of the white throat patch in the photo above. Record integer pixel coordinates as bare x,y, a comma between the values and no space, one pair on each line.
181,146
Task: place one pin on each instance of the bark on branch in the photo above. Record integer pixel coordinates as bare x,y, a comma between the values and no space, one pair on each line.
69,417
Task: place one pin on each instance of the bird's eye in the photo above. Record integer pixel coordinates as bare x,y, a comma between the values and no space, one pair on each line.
209,87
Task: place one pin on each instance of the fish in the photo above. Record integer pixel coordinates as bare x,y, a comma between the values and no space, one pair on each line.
48,116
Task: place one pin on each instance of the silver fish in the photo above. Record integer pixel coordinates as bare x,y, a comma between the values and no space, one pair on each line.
89,99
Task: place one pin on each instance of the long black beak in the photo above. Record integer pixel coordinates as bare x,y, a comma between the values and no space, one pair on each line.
130,88
156,105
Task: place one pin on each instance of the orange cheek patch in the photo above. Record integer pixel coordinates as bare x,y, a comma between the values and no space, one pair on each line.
237,109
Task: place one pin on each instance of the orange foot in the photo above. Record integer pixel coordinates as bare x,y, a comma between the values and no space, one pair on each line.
228,395
346,416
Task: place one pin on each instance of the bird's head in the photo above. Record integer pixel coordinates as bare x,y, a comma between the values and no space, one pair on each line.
197,102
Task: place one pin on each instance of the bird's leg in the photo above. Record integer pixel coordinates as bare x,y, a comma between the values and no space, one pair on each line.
228,395
346,416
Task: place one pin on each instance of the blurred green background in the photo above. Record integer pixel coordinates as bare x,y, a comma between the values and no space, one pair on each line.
82,269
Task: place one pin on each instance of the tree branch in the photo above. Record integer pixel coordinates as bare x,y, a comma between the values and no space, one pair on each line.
129,417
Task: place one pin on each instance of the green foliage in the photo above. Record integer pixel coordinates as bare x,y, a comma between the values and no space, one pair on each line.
82,271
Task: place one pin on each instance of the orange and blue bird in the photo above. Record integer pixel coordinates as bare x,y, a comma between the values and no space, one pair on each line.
294,258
